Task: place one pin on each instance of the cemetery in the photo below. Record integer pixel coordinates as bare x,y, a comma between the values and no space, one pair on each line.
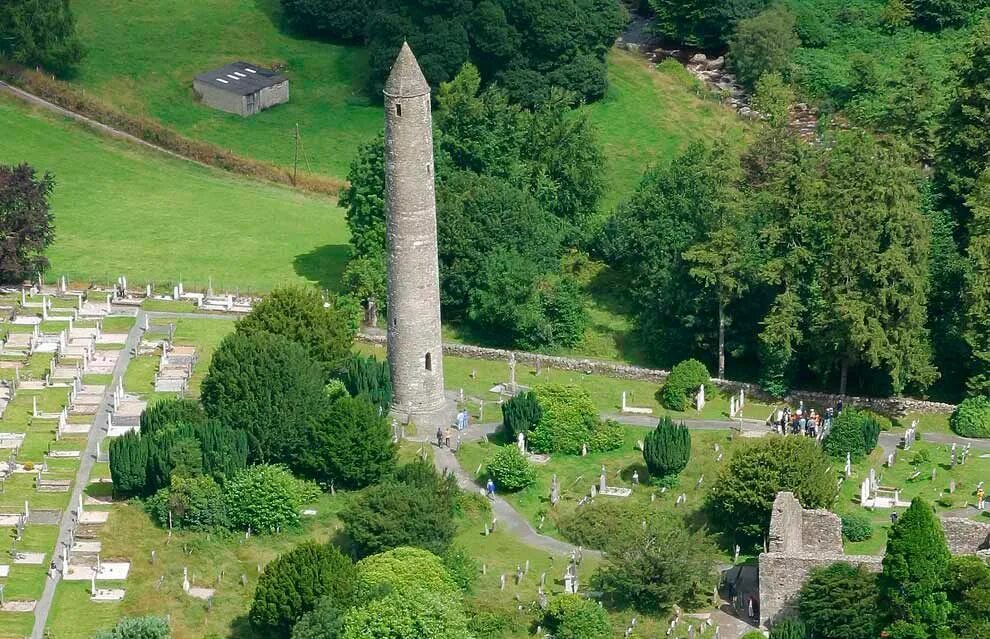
540,387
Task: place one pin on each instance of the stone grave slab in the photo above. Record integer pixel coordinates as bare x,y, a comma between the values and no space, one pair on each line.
85,409
83,333
112,338
65,454
45,517
201,593
30,558
168,385
76,429
91,500
18,606
54,485
26,320
88,547
32,385
182,351
109,571
94,517
130,408
615,491
107,594
4,570
7,363
11,440
118,430
9,520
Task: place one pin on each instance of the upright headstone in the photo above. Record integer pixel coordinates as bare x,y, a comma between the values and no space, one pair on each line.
700,399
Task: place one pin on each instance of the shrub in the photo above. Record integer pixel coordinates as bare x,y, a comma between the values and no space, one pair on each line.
667,449
324,621
294,582
462,568
654,567
416,614
574,617
971,418
839,601
266,498
568,417
195,503
324,327
789,628
510,469
521,413
683,380
854,432
414,509
606,436
494,624
763,44
137,628
604,523
856,527
401,570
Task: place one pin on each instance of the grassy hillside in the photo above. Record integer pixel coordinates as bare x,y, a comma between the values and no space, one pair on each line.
143,55
121,210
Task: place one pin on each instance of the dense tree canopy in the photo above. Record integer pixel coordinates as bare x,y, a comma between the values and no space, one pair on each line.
527,46
324,327
763,44
840,602
352,445
40,32
26,221
742,497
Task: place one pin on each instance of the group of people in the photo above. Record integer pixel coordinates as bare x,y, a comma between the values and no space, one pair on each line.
446,435
809,423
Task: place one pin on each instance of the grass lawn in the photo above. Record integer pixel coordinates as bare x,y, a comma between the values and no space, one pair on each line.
143,55
121,210
923,458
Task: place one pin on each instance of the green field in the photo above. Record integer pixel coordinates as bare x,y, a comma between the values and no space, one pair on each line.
120,210
143,55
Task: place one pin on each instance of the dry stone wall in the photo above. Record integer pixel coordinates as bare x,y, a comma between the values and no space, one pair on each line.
887,405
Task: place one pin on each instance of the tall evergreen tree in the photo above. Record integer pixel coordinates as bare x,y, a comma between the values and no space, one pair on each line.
977,332
965,150
915,573
26,222
667,449
128,464
874,264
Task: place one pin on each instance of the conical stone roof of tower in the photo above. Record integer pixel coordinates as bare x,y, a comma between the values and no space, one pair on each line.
406,79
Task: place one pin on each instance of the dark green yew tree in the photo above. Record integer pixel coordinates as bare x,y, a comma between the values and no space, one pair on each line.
667,449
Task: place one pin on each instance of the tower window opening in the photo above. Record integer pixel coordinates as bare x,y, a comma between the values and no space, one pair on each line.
429,170
395,322
429,362
398,109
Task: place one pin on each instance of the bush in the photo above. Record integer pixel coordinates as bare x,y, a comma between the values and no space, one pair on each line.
402,570
137,628
266,498
606,436
856,527
683,380
789,628
604,523
574,617
839,601
291,586
652,568
510,469
763,44
494,624
521,413
195,503
324,621
462,568
853,431
416,508
667,449
971,418
415,614
567,420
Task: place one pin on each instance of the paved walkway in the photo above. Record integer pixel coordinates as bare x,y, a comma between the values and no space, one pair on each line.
87,459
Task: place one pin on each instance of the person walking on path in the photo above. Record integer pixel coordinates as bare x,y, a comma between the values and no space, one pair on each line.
439,437
980,497
490,489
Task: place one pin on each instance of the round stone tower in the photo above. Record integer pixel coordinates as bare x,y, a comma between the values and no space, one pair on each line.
415,353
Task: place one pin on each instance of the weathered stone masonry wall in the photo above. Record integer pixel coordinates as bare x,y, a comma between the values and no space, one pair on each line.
887,405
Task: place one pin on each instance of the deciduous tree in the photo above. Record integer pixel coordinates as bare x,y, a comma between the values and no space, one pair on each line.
40,32
26,221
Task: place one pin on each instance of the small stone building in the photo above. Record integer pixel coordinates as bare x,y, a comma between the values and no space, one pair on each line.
241,88
801,540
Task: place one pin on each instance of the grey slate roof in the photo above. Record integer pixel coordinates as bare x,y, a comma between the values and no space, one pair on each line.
241,78
406,79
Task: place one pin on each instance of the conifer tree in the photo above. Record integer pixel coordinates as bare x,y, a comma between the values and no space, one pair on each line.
367,376
521,413
128,463
977,332
915,574
966,127
667,449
